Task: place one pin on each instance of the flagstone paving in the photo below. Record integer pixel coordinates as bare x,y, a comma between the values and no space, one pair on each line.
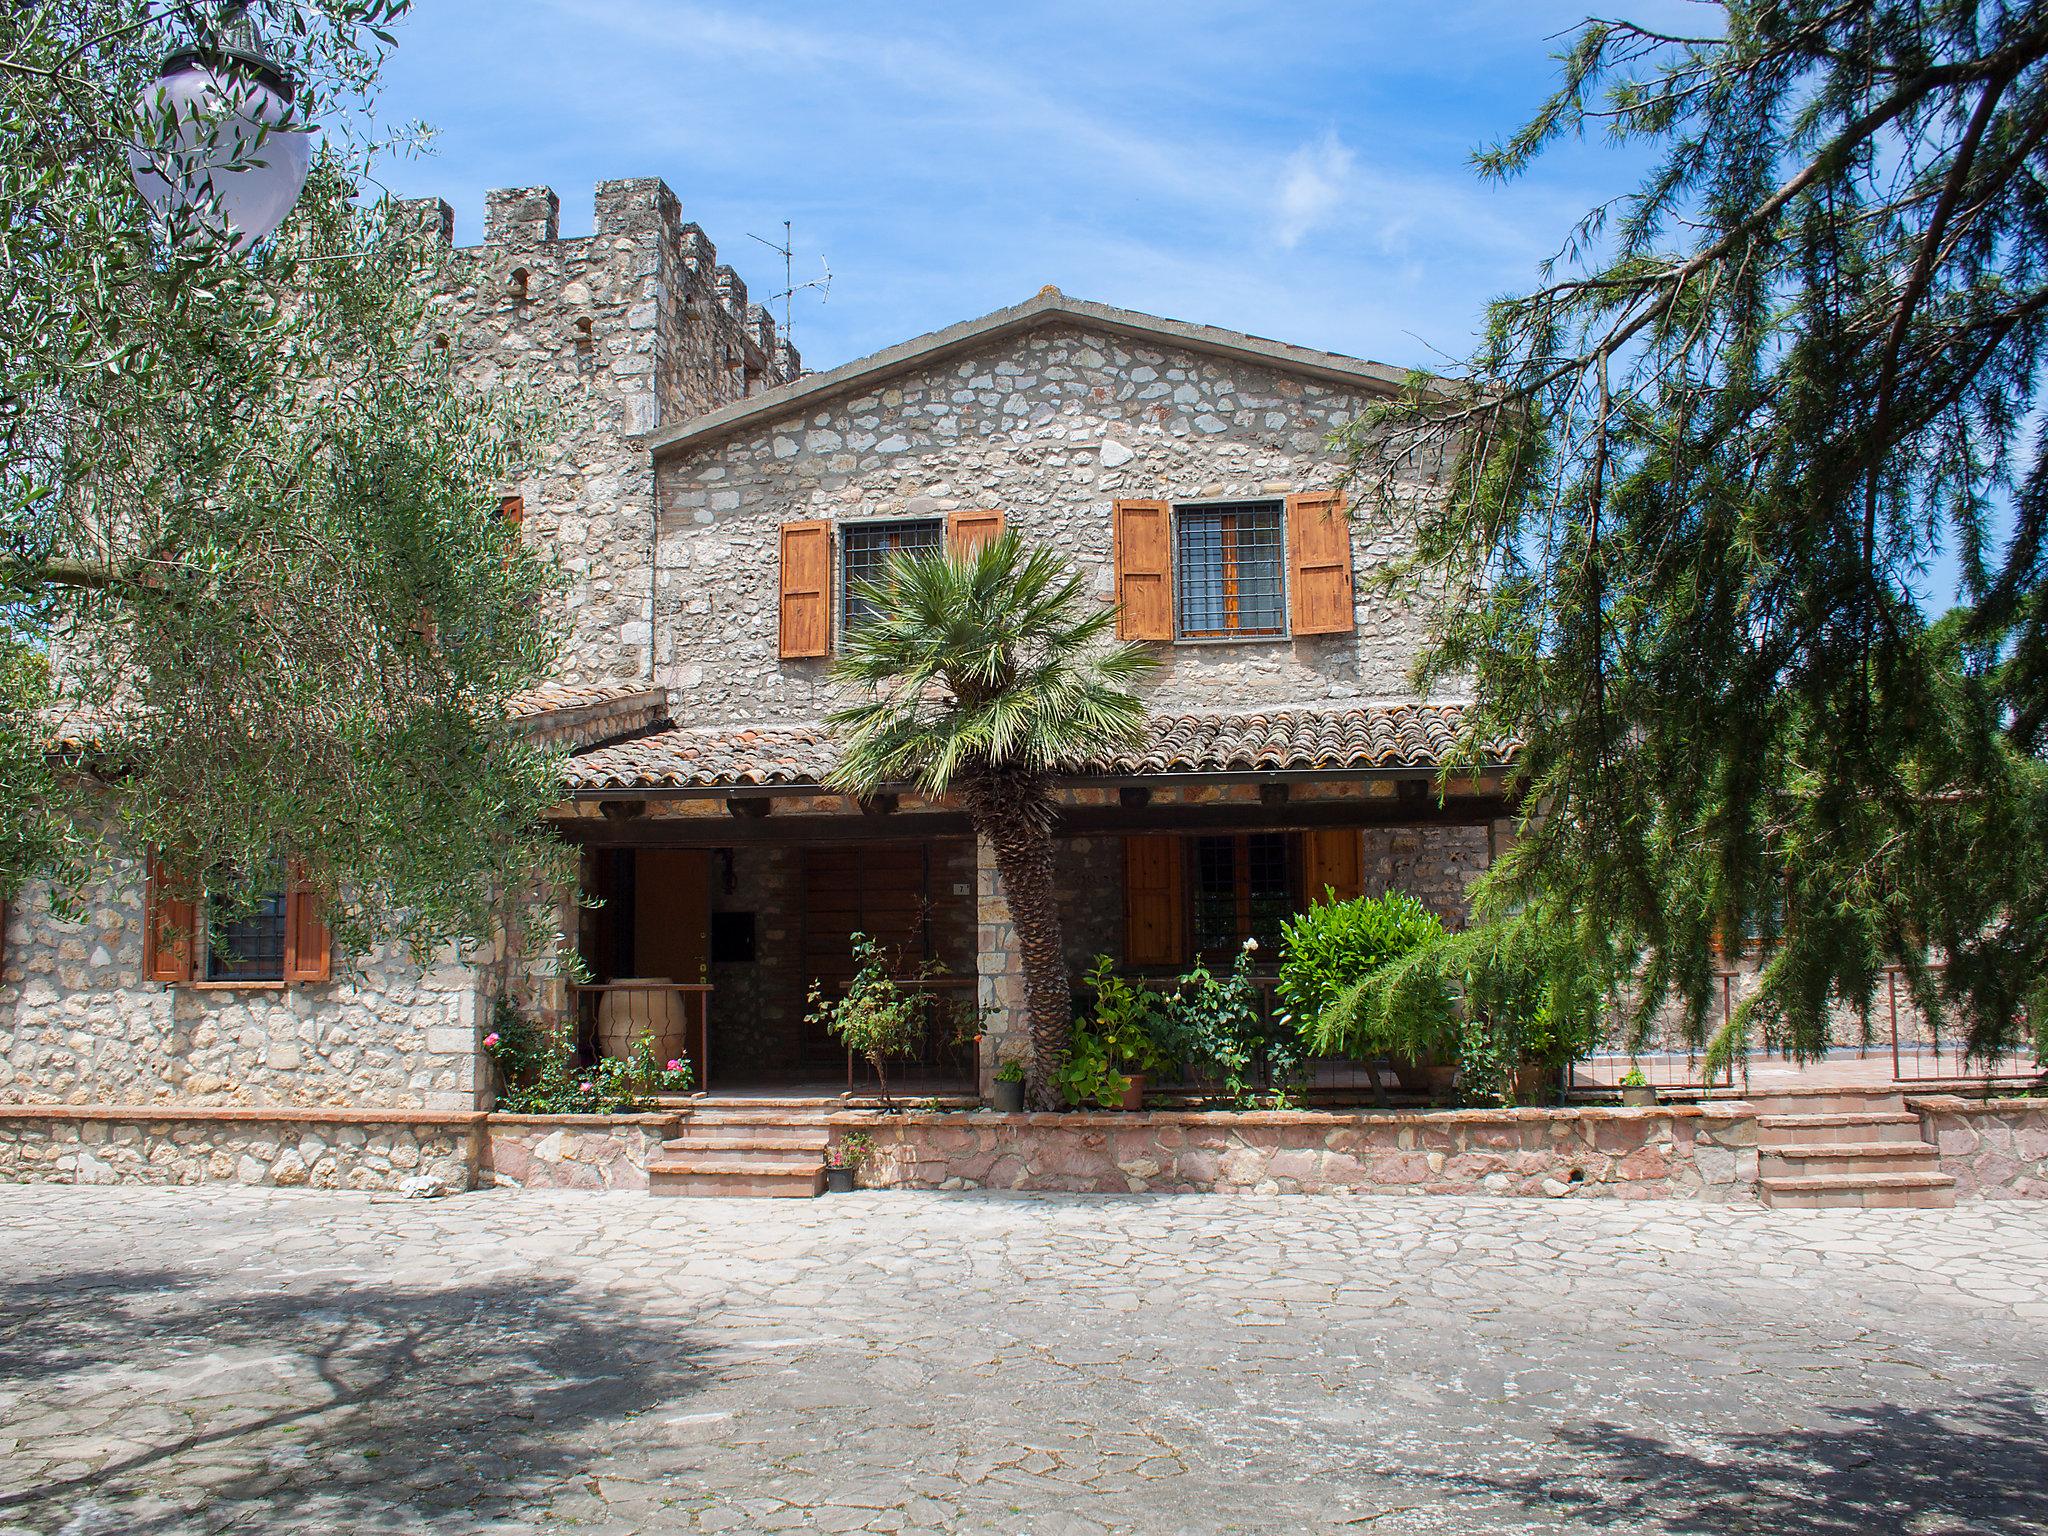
246,1360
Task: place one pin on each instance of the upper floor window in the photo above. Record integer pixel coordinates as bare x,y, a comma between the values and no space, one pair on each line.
1228,563
865,549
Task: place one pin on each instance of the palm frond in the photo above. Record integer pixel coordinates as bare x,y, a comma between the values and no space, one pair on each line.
996,660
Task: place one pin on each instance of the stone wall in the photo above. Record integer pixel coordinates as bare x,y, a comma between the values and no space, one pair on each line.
1434,864
124,1145
571,1151
618,332
1706,1154
1997,1149
1051,427
78,1024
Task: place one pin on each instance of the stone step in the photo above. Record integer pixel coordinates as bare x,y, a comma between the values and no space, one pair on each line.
1819,1129
768,1139
1850,1157
1827,1101
1854,1191
744,1178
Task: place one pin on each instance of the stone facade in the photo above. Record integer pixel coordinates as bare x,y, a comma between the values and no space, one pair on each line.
79,1025
1051,427
1706,1154
616,333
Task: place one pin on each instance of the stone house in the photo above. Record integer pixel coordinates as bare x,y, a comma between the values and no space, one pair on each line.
712,504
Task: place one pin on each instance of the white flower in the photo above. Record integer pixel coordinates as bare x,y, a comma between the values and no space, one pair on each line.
1251,943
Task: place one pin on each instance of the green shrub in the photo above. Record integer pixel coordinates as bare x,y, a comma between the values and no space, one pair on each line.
1216,1028
1513,992
538,1073
1330,948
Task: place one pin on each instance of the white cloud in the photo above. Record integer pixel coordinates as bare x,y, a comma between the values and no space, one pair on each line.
1318,180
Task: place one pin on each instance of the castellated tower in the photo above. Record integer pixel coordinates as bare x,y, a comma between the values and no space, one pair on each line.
633,327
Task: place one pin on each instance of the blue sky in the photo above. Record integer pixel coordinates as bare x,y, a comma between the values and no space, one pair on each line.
1295,170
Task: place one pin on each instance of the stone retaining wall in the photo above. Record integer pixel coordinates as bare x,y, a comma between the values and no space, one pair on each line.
1996,1148
141,1144
1706,1153
571,1151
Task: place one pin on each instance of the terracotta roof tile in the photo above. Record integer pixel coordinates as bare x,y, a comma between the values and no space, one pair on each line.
1392,736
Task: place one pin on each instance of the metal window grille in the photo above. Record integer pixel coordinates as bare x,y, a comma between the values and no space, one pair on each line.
1229,569
865,549
1242,889
250,946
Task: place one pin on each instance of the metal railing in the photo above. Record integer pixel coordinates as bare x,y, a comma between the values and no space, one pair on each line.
1931,1060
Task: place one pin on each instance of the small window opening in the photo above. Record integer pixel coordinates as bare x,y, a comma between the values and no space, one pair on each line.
585,340
519,282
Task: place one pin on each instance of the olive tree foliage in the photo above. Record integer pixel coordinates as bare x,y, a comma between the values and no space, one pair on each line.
1695,477
249,543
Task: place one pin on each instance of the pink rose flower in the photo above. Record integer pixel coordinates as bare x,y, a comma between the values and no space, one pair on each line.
491,1039
675,1066
586,1088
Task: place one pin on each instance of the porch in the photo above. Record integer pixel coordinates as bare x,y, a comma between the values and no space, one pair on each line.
726,875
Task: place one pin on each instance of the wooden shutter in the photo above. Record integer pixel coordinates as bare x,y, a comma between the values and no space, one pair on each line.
968,531
1332,858
308,950
806,589
1144,570
1319,558
169,926
1154,927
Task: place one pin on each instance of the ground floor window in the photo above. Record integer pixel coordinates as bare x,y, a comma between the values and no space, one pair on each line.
1243,887
247,945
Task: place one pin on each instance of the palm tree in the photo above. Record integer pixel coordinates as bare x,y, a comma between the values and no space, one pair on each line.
981,674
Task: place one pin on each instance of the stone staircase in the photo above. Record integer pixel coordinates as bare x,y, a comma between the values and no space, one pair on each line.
748,1148
1820,1149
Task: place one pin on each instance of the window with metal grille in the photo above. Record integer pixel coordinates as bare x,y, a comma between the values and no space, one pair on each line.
1228,569
250,945
865,549
1243,889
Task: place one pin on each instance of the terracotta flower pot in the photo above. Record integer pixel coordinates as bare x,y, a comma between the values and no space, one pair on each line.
1134,1092
1007,1098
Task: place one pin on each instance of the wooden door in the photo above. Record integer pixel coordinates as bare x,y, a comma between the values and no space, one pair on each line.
672,913
881,890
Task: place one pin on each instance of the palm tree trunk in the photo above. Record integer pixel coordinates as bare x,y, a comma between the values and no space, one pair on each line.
1014,812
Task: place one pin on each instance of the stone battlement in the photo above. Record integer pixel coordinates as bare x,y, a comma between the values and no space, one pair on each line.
630,214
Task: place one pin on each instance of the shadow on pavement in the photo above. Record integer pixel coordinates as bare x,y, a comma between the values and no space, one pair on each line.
355,1405
1978,1464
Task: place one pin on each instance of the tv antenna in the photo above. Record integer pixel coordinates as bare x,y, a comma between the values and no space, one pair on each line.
790,286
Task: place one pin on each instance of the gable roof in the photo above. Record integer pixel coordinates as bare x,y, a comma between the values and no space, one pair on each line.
1049,307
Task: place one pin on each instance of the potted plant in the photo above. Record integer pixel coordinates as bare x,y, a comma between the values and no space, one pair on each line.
1008,1094
874,1017
843,1161
1130,1023
1636,1092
